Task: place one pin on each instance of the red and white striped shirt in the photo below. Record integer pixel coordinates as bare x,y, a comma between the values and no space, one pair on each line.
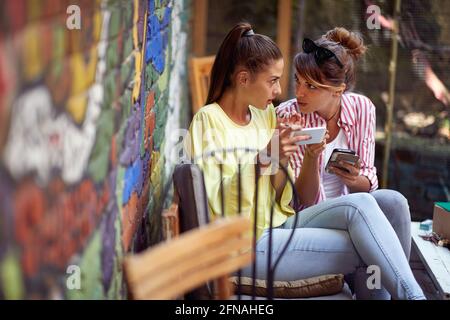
357,120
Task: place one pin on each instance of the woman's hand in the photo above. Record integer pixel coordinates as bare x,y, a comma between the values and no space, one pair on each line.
313,151
350,178
295,120
287,143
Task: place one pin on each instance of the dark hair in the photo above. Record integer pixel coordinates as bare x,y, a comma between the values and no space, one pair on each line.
348,47
241,47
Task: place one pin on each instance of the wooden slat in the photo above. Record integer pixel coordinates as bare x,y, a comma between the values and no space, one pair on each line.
284,41
170,222
199,75
195,240
193,258
200,276
185,265
225,287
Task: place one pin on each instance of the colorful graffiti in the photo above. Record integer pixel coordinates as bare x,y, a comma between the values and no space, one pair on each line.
83,119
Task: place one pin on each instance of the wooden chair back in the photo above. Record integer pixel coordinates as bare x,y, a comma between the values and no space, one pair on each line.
199,76
172,268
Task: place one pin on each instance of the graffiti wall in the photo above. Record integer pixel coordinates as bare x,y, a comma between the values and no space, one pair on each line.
84,115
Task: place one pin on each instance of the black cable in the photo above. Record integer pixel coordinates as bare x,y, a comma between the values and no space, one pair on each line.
254,233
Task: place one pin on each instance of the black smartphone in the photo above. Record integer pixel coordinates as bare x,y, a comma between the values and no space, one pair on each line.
345,155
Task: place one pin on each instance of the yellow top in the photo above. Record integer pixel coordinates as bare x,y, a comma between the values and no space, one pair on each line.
212,130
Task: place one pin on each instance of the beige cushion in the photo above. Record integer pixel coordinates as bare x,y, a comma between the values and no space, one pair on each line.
304,288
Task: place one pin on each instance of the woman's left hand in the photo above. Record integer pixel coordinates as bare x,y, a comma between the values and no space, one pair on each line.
348,178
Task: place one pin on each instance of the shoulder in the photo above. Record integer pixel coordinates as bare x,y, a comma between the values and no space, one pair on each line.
264,117
209,111
286,108
205,111
206,117
358,101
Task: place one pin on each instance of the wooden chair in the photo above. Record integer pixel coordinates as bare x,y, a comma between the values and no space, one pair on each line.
172,268
199,75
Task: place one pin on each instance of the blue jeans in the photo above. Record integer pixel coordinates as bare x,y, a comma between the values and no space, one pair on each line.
396,209
340,235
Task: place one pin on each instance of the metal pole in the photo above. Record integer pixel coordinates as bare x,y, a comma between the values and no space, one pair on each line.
390,104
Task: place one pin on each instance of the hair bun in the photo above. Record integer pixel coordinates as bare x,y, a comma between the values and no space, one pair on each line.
352,41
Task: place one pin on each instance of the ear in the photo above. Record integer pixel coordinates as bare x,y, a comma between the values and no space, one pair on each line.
340,90
242,77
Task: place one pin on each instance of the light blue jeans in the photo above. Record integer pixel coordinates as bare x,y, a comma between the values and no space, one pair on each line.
341,235
396,209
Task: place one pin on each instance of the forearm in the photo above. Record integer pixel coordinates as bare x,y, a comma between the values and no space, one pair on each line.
307,183
362,184
279,181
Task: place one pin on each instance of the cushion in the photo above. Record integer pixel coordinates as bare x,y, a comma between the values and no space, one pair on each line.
323,285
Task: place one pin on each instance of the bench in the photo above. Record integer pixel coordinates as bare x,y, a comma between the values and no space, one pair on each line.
436,261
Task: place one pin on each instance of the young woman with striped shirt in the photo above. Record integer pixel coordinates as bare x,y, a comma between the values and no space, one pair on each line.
325,77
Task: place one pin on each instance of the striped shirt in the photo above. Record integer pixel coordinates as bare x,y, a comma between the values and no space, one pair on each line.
357,120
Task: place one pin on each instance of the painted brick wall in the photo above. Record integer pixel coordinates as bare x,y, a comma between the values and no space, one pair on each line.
84,116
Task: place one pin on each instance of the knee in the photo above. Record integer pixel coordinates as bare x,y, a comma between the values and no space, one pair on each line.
363,200
393,201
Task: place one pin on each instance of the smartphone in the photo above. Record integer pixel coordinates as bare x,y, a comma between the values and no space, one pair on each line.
338,155
317,134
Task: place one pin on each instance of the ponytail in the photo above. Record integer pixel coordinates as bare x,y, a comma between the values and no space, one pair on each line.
241,47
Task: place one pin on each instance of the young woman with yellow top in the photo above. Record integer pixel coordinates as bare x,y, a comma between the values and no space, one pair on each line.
335,236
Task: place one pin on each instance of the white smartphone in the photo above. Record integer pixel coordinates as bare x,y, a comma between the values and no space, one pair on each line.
317,134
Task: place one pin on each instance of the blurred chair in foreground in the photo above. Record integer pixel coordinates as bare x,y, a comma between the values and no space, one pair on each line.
172,268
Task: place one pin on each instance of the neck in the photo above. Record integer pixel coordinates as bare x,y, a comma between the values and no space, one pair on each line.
331,112
234,107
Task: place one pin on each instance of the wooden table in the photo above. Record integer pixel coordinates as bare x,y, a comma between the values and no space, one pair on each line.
436,260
